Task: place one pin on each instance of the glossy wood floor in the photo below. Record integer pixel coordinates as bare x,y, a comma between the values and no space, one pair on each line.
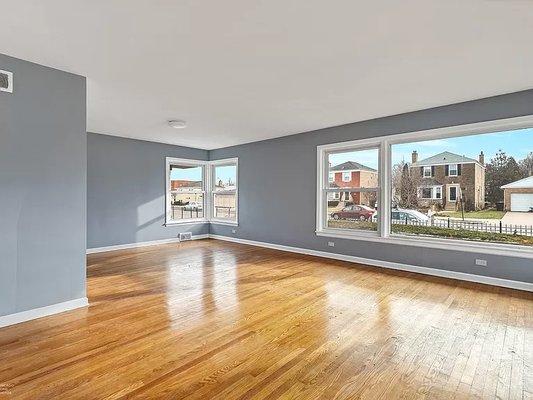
216,320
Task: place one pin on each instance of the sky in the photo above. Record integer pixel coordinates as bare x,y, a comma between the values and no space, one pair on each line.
223,173
517,143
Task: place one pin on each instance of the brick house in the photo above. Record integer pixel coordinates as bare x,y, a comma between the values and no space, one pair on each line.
446,179
518,195
353,175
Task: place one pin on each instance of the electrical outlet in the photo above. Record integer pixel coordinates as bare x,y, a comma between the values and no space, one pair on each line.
481,262
331,244
233,231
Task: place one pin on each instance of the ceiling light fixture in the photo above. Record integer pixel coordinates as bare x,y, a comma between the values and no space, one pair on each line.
177,123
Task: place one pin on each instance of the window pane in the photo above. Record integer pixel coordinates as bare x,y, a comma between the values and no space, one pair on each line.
353,169
186,178
349,210
476,187
225,177
225,206
186,205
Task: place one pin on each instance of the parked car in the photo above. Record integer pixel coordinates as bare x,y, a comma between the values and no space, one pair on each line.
356,211
193,206
402,216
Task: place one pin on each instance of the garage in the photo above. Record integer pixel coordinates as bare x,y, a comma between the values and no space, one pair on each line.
521,201
518,195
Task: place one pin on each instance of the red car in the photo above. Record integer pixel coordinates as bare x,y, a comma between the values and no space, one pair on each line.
359,212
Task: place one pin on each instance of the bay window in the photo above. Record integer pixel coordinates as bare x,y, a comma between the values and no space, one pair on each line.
201,191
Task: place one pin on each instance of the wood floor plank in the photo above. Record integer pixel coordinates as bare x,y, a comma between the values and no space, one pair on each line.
218,320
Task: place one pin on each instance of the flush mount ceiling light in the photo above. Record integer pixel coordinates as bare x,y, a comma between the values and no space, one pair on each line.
177,123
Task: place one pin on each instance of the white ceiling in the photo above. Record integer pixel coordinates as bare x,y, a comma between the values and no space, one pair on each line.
244,70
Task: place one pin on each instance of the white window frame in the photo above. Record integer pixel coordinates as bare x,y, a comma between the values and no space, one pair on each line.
213,165
205,182
323,187
427,168
384,234
435,190
456,170
346,174
208,171
422,191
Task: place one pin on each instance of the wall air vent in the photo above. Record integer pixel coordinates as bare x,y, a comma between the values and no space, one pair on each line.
6,81
185,236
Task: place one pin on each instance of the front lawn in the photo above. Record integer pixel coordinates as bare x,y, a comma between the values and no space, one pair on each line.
352,224
483,214
437,232
463,234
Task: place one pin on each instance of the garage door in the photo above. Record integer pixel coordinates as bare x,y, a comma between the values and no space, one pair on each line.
521,201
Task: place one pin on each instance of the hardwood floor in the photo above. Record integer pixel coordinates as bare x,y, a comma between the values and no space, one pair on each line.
216,320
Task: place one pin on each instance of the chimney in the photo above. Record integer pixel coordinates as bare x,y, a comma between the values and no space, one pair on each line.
482,158
414,157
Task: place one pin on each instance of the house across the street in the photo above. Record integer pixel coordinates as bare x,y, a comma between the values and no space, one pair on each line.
353,175
518,195
447,178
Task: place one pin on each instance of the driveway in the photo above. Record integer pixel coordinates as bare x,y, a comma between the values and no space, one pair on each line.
518,218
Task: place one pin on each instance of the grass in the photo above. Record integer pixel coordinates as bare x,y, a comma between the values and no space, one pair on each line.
483,214
351,224
437,232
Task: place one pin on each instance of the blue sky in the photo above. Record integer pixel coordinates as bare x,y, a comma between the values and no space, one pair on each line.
516,143
223,173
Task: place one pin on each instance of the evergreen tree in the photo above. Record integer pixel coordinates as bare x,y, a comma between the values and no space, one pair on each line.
501,170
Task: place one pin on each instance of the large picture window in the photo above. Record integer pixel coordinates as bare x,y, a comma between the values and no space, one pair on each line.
468,187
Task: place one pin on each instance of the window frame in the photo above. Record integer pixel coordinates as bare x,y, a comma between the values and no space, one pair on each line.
346,174
220,163
323,187
427,168
430,188
205,181
456,170
385,143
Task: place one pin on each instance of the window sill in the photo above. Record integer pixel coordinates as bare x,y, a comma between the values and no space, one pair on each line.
436,243
187,222
224,222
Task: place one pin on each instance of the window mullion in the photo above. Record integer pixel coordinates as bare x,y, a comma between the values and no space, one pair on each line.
385,189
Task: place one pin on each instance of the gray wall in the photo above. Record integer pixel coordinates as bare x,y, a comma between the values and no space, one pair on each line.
277,188
42,187
126,190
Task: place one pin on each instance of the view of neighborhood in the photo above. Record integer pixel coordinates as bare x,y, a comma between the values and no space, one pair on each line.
473,188
187,192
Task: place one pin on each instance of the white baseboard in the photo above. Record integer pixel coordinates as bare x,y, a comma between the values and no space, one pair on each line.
141,244
23,316
387,264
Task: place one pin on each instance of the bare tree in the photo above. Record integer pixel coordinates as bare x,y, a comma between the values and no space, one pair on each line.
405,184
526,165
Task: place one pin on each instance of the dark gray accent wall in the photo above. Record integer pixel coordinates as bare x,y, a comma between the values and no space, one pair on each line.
126,191
42,187
277,188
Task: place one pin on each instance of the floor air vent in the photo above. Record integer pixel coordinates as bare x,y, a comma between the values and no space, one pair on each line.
185,236
6,81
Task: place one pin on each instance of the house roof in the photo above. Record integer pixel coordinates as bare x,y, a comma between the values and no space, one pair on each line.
444,158
526,183
352,166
